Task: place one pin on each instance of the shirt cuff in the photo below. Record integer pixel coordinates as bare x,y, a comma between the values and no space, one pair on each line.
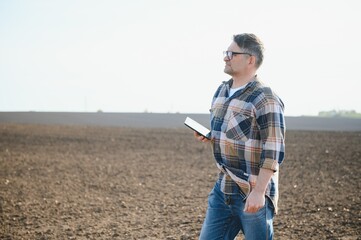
269,163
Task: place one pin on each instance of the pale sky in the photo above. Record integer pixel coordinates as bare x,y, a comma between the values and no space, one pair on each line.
166,55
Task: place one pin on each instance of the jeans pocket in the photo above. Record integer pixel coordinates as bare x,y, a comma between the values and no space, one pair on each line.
261,213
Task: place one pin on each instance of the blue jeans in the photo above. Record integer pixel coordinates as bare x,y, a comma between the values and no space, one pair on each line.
225,218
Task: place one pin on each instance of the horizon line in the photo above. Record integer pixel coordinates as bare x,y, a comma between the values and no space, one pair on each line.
149,112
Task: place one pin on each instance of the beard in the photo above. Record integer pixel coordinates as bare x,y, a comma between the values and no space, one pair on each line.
228,70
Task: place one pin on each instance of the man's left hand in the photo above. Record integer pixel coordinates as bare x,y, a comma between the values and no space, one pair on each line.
255,201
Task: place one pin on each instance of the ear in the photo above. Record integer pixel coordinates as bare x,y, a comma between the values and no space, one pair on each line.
252,60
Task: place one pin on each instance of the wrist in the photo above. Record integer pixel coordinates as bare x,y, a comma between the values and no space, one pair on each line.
259,190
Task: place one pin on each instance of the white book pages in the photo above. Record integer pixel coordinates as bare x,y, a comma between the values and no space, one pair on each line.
199,128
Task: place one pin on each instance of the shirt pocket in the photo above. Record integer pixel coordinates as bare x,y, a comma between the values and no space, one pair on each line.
239,126
218,111
218,115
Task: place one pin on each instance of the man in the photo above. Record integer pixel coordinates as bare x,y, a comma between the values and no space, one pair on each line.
247,135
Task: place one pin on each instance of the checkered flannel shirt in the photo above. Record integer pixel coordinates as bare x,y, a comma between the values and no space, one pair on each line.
248,132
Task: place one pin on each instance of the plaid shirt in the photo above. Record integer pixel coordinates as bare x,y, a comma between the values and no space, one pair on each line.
248,131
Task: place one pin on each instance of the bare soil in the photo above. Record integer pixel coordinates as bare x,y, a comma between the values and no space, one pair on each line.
74,182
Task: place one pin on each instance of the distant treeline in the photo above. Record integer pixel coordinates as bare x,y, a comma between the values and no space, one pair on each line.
340,113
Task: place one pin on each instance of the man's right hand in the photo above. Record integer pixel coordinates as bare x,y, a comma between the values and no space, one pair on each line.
200,137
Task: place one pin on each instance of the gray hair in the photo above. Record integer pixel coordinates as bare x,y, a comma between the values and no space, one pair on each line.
251,44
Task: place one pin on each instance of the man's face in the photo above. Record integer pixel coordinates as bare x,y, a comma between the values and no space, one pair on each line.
237,65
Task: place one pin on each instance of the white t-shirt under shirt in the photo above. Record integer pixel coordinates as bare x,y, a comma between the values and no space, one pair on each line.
233,90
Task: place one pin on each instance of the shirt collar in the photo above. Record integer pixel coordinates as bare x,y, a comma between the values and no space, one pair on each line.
249,84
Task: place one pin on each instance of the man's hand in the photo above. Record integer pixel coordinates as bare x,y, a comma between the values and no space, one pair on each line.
255,201
200,137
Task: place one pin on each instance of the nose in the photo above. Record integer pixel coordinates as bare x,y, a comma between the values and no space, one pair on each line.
225,56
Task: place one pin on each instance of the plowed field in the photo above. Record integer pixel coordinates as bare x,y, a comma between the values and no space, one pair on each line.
73,182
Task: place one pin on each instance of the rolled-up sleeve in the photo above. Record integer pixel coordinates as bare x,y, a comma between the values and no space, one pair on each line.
271,123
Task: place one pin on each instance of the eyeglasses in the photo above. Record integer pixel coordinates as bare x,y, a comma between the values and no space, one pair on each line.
229,54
